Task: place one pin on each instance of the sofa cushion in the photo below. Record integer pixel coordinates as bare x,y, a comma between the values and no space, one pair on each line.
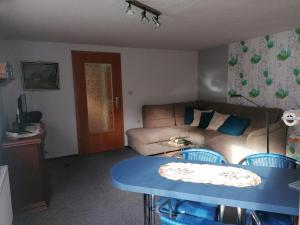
179,110
232,147
198,136
189,115
234,125
205,119
217,120
150,149
158,116
198,117
152,135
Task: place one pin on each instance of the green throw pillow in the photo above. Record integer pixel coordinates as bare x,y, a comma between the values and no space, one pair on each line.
188,115
205,119
234,125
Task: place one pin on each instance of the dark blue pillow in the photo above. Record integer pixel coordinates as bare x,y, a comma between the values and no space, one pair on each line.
205,119
234,125
188,115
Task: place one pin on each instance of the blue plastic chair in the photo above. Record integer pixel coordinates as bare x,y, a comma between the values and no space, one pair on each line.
269,160
197,209
202,155
183,219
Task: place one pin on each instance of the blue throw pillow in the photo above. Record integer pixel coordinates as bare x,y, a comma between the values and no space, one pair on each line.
234,125
205,119
188,115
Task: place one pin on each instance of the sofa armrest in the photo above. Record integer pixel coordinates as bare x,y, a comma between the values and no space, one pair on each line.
257,139
263,131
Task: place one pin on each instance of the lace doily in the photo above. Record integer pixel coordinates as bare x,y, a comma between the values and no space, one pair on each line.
210,174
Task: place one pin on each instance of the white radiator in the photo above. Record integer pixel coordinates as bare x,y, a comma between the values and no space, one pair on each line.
6,215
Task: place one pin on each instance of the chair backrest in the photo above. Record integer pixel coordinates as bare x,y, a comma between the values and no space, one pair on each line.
202,155
269,160
188,220
168,221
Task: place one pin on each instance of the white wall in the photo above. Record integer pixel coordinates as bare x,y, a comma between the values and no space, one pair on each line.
153,76
212,72
8,91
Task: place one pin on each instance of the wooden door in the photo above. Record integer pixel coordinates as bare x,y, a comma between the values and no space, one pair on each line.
98,99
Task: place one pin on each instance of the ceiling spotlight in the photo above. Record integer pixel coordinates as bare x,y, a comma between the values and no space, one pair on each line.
144,18
155,20
144,10
129,10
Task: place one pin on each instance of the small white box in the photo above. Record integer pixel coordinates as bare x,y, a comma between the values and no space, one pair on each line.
6,215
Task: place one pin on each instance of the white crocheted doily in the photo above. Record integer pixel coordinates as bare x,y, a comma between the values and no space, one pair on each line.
209,174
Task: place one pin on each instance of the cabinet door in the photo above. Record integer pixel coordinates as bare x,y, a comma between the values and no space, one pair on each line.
27,176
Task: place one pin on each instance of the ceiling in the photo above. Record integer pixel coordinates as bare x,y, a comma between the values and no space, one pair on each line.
186,24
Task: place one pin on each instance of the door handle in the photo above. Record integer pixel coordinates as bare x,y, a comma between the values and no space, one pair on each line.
117,102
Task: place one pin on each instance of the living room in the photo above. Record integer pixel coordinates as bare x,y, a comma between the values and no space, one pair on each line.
192,52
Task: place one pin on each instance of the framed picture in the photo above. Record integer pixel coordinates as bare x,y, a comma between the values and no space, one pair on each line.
40,75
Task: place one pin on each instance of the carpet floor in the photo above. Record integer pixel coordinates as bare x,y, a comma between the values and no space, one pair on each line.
82,194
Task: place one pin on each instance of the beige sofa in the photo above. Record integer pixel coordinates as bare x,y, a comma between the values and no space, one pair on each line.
160,122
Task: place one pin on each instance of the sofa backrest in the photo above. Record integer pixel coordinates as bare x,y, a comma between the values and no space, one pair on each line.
256,114
164,115
158,116
173,114
179,110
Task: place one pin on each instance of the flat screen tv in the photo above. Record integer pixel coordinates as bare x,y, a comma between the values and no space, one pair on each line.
40,75
22,111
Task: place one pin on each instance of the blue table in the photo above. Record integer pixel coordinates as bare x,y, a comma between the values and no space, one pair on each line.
296,185
140,175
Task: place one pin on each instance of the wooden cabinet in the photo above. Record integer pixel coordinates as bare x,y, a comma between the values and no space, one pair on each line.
28,181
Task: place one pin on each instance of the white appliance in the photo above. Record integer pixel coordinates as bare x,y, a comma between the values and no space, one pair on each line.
6,215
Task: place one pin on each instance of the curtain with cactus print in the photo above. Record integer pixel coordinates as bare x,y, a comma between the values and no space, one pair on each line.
267,70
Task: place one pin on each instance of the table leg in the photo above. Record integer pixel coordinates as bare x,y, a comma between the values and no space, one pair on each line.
149,209
221,213
146,215
239,216
299,212
152,209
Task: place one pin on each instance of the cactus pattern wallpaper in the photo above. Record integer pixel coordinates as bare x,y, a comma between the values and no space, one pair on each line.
267,70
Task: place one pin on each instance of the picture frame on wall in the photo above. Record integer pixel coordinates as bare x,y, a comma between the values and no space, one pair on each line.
40,75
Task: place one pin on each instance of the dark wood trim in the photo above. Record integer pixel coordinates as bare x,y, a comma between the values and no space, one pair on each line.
77,57
76,91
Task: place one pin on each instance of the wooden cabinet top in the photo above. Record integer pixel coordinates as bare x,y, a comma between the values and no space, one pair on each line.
12,142
294,139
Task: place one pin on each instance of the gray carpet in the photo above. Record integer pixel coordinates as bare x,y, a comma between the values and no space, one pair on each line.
82,194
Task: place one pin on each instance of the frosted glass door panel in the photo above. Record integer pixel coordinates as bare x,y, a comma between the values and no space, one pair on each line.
99,92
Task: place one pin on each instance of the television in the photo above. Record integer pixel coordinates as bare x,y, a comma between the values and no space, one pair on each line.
22,111
25,119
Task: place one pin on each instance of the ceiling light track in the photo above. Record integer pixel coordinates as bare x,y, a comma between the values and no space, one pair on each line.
145,9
